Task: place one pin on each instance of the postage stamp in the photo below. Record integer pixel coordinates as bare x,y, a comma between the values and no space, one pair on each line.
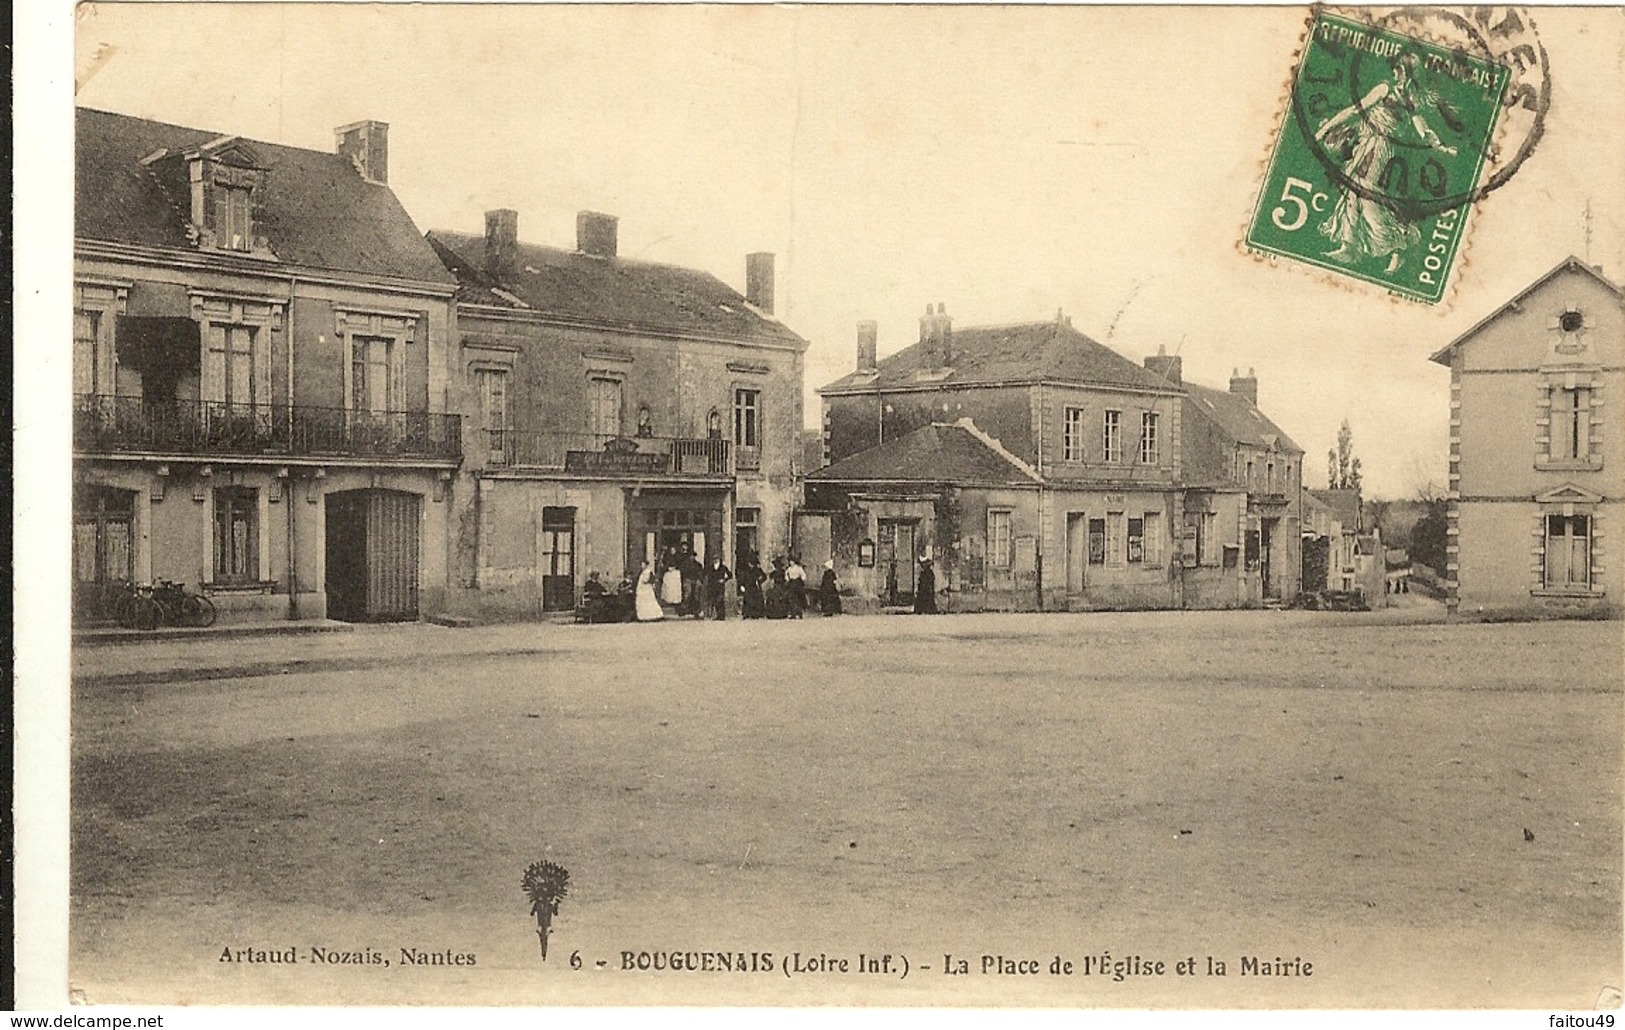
1388,139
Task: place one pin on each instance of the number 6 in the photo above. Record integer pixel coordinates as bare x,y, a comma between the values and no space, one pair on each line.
1287,197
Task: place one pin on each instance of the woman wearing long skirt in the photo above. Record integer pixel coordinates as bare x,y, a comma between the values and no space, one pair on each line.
671,581
829,595
753,605
647,605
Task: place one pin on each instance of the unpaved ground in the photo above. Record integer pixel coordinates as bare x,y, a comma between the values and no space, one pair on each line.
1339,789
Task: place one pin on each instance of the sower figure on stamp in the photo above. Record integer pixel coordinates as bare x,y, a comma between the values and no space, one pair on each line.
1367,135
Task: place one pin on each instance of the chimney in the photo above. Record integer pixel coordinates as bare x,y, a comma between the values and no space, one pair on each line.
1168,368
759,281
366,145
868,337
936,333
501,243
1246,386
595,234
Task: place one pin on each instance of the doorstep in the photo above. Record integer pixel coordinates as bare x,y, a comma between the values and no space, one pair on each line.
91,637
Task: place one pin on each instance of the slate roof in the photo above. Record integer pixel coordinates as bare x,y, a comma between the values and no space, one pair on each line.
1343,504
1023,353
318,212
937,453
615,291
1238,418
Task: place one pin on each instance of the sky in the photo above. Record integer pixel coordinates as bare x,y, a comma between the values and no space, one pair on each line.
1006,162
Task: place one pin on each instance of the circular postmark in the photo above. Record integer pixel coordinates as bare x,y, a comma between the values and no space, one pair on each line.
1423,109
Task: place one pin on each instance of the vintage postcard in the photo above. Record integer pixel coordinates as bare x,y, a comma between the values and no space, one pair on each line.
930,507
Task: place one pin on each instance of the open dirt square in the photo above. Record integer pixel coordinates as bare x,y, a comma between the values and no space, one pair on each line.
1372,813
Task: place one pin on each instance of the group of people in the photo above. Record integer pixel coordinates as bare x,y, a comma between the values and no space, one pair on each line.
679,584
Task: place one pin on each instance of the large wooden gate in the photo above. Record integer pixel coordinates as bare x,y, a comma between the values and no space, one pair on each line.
372,555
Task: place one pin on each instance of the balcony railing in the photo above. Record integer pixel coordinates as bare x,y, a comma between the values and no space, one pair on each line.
104,423
600,454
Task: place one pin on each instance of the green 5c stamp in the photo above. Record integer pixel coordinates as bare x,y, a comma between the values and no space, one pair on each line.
1380,153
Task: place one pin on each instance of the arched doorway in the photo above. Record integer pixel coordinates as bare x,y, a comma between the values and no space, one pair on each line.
372,555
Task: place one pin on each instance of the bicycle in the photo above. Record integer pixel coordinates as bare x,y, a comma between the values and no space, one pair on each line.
135,608
165,603
181,607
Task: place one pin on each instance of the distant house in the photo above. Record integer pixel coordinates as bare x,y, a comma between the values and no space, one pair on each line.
618,409
260,340
1537,441
1354,558
1036,467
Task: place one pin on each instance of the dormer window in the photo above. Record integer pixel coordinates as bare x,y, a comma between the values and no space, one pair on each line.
233,224
227,182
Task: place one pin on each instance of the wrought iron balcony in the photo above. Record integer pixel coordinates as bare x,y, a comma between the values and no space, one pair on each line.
600,454
104,424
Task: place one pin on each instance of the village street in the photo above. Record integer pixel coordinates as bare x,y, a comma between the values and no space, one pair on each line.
1380,809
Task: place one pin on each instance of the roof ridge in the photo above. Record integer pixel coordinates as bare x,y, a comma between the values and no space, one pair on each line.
1572,261
968,424
568,252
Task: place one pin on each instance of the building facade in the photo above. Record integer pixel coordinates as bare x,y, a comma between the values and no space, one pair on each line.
1537,438
260,376
1348,556
617,408
1037,468
1243,497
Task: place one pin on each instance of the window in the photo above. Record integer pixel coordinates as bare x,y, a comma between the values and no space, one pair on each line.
747,417
1269,477
1568,552
1097,541
236,535
493,387
1114,538
1571,424
1000,552
747,522
1201,528
1072,435
1136,541
1153,538
1111,437
233,229
87,351
373,376
1148,438
229,367
604,406
1248,482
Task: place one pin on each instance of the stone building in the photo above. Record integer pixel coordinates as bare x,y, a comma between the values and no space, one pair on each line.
260,375
1242,496
1537,439
1037,468
1352,558
617,408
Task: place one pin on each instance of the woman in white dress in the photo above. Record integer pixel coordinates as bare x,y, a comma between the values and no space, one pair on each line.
648,606
671,581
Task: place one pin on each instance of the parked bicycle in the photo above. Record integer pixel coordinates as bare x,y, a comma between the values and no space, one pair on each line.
165,603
